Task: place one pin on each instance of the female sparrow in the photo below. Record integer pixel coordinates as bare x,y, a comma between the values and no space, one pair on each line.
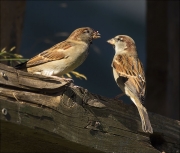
129,75
64,56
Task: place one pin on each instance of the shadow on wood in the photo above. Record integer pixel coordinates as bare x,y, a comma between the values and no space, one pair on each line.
17,138
75,114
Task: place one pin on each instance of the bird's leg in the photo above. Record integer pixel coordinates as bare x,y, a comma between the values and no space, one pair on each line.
118,96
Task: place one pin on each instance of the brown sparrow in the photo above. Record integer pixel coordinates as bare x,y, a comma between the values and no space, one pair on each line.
64,56
129,75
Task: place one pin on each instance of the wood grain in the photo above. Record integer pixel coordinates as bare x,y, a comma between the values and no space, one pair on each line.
74,113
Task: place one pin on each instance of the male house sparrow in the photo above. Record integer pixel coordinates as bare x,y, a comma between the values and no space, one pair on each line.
129,75
64,56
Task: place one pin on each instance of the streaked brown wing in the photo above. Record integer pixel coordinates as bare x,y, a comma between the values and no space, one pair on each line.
131,67
52,54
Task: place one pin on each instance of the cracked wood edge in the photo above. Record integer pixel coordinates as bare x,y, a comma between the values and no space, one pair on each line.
23,80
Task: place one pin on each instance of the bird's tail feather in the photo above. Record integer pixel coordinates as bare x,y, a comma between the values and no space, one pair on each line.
146,125
21,66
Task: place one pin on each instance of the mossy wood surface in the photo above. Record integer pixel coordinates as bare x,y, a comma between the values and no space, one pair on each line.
94,121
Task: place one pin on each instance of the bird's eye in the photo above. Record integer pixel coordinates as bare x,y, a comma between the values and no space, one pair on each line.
86,31
120,39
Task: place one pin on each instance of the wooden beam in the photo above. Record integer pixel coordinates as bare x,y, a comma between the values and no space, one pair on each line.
79,116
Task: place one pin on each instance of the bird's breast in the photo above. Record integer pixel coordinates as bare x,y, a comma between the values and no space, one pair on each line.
78,58
75,59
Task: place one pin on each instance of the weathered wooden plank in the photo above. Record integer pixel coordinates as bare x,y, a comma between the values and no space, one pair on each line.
85,118
16,78
17,138
71,117
77,129
36,98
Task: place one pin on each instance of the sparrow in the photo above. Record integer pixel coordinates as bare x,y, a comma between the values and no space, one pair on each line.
62,57
129,75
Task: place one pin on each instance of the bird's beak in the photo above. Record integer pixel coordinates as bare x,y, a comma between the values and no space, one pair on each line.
96,35
111,41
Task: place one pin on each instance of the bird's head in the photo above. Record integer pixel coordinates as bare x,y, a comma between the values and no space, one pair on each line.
123,44
85,34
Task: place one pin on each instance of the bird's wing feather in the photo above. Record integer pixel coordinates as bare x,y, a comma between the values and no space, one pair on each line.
132,69
54,53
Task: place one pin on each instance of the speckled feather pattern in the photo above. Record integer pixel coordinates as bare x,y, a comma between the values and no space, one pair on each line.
129,75
132,69
52,54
